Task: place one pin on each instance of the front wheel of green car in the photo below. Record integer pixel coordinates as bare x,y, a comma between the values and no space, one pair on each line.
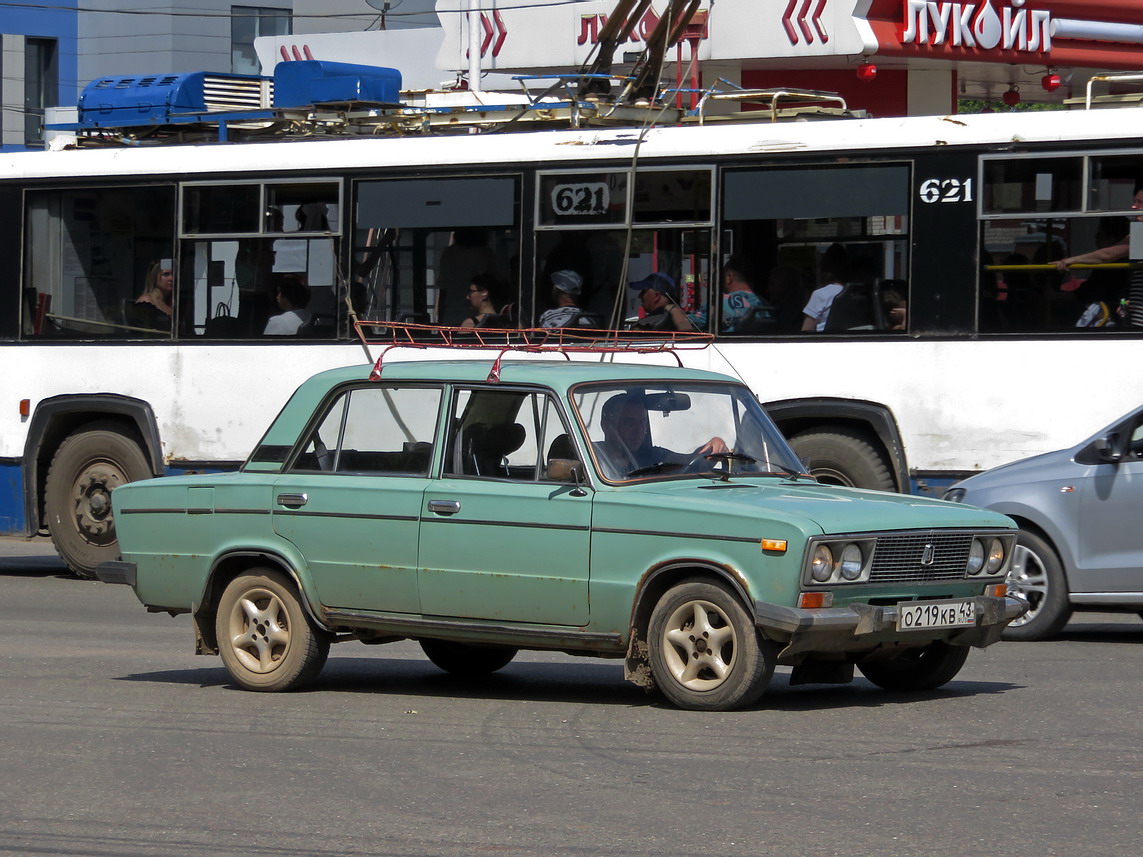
705,652
264,636
923,668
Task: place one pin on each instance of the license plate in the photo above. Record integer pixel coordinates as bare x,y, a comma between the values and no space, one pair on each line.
923,615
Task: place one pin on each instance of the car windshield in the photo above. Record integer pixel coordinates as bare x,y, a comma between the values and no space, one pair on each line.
647,430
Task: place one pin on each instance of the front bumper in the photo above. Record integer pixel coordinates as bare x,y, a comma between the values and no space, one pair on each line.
866,627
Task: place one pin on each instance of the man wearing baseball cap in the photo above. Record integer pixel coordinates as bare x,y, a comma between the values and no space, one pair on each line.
661,308
567,286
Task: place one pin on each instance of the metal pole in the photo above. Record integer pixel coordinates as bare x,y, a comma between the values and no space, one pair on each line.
474,45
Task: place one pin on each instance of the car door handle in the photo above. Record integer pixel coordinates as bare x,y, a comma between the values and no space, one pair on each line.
293,501
444,507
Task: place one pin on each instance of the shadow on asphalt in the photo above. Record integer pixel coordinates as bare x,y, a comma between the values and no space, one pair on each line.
33,566
577,683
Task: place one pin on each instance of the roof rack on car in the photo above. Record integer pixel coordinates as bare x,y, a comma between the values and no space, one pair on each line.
559,340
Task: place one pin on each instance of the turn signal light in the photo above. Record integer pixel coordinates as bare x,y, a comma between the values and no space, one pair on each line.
778,545
815,600
996,590
25,407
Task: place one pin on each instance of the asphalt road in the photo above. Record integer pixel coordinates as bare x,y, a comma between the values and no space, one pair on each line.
116,741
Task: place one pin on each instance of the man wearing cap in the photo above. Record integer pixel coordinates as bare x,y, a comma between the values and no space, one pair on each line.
660,304
566,289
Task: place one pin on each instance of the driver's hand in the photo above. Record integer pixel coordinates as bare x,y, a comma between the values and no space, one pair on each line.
714,446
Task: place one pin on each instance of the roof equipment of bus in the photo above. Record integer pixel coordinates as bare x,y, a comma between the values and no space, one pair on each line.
1111,98
314,97
559,340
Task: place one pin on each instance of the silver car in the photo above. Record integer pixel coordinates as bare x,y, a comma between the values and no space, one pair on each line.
1080,545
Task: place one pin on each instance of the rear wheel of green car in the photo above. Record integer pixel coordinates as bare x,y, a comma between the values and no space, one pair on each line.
923,668
264,636
467,660
705,652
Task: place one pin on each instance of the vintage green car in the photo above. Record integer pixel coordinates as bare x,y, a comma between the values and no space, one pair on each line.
642,512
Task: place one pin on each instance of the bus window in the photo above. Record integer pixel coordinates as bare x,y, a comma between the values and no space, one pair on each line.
418,243
1035,214
1113,181
841,230
580,221
242,243
597,256
91,254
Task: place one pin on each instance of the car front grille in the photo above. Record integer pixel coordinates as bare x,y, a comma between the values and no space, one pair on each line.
899,558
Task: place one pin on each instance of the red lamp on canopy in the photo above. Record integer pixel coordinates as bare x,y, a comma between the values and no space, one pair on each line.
1012,97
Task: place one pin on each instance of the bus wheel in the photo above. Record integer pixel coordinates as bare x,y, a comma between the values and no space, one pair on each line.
844,457
85,469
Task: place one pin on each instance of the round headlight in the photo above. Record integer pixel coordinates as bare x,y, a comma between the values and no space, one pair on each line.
851,562
995,556
821,566
976,557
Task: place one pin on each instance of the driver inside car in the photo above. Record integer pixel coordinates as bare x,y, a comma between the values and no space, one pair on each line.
626,448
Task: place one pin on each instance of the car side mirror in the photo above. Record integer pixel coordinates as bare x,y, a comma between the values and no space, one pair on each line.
565,470
1107,448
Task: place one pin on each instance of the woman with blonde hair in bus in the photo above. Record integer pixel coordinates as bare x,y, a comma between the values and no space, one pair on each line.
153,308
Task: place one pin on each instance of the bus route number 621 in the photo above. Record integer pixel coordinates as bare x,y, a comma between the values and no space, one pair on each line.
946,190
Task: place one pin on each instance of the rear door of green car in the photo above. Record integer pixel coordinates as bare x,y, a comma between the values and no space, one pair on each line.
351,502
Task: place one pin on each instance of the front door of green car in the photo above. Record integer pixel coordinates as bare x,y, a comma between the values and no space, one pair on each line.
499,539
352,500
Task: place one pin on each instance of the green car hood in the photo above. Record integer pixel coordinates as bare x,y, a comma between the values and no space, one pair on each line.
814,508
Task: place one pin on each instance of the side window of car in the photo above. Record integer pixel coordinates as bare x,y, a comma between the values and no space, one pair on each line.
376,430
505,434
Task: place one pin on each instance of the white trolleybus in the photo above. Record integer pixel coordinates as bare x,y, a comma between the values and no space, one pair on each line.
144,265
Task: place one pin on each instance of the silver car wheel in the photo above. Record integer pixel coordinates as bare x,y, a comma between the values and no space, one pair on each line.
260,630
1028,579
699,645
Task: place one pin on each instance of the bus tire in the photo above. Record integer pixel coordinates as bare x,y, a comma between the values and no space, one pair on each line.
88,465
842,456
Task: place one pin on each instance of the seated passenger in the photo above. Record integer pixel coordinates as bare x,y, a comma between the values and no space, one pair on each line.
483,296
292,297
567,286
152,309
661,308
626,447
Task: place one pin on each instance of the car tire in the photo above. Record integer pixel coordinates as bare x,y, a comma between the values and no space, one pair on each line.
265,638
844,457
923,668
1037,575
88,465
466,660
705,653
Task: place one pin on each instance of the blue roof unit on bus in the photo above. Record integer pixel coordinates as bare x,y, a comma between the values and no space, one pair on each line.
172,99
160,99
299,83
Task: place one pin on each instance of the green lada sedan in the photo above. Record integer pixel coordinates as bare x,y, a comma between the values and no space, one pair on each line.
648,513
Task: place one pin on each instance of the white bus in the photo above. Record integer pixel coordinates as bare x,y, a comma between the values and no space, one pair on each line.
988,367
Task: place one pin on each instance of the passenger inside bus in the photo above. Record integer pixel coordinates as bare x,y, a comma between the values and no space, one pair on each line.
466,257
486,301
567,286
834,270
743,309
661,310
292,296
153,309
